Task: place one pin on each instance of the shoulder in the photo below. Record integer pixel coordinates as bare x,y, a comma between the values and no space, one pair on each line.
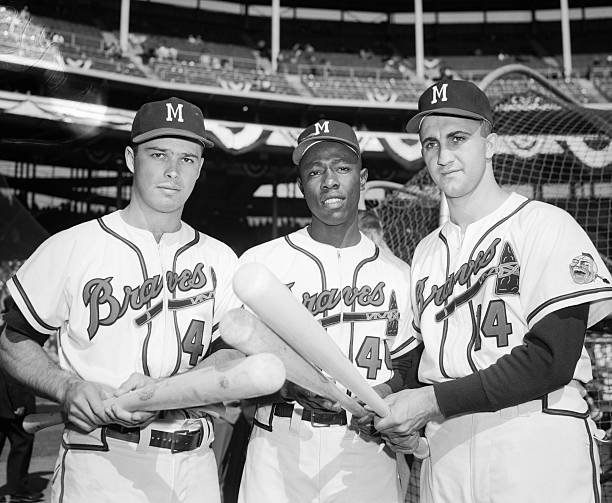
539,216
391,261
78,236
216,246
433,240
264,251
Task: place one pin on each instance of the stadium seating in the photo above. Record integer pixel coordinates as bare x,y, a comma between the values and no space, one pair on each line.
302,70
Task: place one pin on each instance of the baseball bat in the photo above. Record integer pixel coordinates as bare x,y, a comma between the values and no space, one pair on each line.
278,308
236,379
244,331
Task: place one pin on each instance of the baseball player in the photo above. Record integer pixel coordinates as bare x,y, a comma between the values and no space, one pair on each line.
303,451
502,295
133,296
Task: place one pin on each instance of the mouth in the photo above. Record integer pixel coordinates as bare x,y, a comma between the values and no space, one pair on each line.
446,172
171,188
333,202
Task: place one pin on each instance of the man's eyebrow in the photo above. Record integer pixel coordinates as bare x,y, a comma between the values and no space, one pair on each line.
162,149
448,135
458,131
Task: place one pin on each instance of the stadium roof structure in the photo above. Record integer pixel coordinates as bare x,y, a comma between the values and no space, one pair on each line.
392,6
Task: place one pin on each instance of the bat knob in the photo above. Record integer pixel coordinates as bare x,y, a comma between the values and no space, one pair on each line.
269,370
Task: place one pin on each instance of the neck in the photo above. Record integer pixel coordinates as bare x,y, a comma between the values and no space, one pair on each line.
153,221
478,204
338,236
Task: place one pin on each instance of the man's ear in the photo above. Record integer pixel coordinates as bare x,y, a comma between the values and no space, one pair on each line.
363,178
299,184
129,158
491,145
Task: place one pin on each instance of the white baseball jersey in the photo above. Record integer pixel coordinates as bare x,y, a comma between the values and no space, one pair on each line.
475,296
361,298
122,303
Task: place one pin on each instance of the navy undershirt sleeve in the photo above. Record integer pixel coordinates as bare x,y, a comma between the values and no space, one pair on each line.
405,370
16,322
545,362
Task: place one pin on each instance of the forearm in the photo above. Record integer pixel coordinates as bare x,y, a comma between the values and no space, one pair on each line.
28,362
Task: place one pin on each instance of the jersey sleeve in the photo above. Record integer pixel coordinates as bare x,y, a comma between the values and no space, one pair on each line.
225,298
560,267
405,341
40,286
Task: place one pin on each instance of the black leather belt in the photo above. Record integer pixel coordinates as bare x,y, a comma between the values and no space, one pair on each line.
176,441
322,417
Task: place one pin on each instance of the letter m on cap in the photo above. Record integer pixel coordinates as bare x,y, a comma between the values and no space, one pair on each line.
322,128
174,113
439,94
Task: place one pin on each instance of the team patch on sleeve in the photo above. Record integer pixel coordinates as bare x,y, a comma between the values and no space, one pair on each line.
583,270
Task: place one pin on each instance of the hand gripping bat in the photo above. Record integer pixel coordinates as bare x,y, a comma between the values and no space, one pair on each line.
224,381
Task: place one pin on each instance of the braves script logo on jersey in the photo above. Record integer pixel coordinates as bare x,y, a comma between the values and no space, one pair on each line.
326,300
507,272
98,292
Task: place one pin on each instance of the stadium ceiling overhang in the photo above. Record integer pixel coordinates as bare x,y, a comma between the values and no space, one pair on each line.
238,138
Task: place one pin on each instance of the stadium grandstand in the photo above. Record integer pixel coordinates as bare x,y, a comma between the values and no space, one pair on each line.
73,73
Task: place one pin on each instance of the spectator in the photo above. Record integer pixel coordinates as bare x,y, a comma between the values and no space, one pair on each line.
205,59
15,402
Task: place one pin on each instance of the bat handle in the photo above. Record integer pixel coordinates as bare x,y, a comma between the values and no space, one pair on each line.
36,422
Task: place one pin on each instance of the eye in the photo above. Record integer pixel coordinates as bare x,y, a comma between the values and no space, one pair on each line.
458,138
158,155
188,160
428,145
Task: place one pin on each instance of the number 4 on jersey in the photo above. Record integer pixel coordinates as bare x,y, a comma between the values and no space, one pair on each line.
192,342
368,356
495,323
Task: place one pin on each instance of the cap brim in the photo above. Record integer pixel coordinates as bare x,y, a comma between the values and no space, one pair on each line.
414,123
177,133
298,151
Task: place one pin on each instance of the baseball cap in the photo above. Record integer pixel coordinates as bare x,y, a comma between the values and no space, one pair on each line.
171,117
325,130
459,98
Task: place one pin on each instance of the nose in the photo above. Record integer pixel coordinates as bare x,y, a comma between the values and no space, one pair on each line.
171,170
445,156
330,180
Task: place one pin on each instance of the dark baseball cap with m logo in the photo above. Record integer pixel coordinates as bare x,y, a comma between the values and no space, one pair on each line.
172,117
325,130
458,98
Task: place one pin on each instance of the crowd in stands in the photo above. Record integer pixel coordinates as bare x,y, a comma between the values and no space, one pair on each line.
302,69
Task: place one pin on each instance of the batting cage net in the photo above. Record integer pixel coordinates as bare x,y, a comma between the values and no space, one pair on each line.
552,149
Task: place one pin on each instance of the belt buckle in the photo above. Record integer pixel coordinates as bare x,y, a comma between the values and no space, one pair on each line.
317,425
175,438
